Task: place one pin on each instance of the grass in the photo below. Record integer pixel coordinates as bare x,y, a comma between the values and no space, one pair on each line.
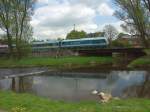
143,62
55,62
9,100
140,62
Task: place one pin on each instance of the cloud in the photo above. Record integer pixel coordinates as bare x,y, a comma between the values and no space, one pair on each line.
53,21
42,1
90,3
1,32
105,10
55,18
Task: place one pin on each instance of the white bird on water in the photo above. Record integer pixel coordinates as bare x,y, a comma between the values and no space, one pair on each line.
104,97
94,92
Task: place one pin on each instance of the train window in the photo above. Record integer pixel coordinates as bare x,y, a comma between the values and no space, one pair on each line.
71,43
75,43
98,41
86,42
103,41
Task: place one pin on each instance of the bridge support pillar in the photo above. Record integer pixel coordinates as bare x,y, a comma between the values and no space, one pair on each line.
122,59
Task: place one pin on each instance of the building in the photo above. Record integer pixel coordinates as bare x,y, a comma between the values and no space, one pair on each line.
131,40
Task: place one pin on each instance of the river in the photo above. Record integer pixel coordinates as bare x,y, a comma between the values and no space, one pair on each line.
76,86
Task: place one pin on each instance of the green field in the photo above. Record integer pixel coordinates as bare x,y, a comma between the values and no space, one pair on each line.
10,100
63,62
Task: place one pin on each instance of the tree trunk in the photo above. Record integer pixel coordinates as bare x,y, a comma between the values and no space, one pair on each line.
10,47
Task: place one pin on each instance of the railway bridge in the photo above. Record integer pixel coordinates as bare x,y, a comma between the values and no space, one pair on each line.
136,52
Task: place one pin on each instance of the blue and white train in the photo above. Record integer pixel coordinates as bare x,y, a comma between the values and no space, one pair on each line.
98,42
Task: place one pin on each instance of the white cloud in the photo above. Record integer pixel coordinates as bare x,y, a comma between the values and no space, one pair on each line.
90,3
1,32
55,18
53,21
105,10
42,2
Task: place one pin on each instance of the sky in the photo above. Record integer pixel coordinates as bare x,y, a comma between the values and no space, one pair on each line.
53,19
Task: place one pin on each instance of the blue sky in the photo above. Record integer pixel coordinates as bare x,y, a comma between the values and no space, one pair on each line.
55,18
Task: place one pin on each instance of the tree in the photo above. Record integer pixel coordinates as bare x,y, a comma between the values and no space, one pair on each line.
133,14
6,21
147,4
110,33
76,34
129,28
121,34
14,20
96,34
22,31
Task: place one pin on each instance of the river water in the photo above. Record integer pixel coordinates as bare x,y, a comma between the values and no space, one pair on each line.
76,86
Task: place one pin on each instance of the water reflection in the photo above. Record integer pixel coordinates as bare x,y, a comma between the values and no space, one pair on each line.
21,84
118,83
139,90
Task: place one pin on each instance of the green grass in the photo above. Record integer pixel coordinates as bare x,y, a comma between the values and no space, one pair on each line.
143,62
55,62
9,100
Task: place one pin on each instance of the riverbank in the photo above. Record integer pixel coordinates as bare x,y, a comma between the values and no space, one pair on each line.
75,63
30,103
143,62
57,63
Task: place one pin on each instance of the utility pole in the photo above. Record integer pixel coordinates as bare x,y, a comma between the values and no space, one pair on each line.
74,27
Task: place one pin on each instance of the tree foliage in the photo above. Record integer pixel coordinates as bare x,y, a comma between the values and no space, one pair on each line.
134,15
147,4
96,34
15,22
76,34
6,20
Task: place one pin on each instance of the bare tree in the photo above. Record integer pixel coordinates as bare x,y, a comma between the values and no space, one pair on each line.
6,20
22,11
110,33
133,14
147,4
15,21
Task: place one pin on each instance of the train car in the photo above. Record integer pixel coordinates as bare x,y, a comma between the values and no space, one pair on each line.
3,50
44,46
100,42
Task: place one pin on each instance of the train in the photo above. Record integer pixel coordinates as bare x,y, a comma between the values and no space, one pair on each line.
97,42
94,42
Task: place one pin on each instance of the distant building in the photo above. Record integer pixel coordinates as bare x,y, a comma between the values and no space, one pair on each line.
132,40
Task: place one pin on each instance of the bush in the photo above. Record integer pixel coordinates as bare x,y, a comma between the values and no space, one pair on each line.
147,51
117,43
